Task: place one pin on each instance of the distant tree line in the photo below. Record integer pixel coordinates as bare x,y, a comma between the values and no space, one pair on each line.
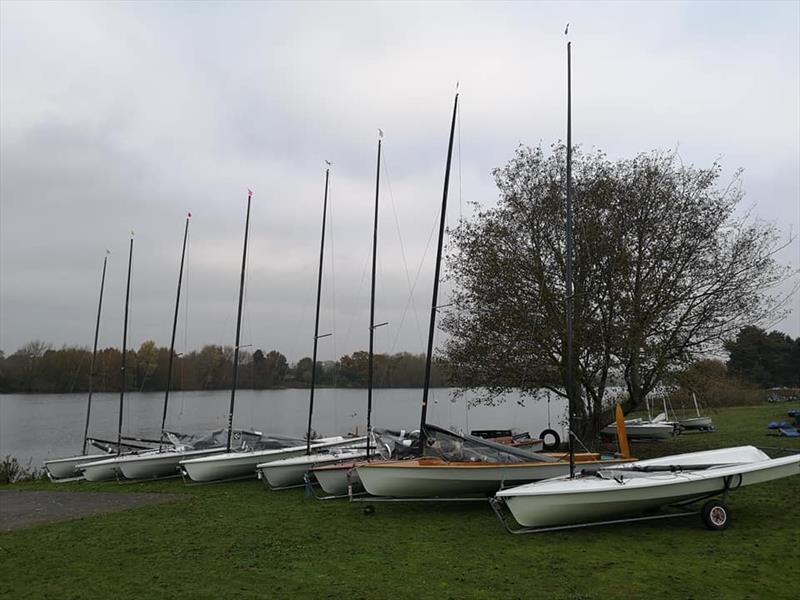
764,359
757,360
38,368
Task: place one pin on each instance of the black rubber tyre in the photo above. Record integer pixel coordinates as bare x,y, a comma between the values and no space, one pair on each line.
716,515
550,445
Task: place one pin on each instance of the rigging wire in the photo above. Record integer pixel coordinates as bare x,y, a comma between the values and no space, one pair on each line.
402,247
416,278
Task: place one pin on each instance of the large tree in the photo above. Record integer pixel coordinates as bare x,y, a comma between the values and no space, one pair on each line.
664,271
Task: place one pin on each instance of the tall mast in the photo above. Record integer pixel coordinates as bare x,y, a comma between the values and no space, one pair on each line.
238,325
432,325
94,354
372,325
569,298
124,349
316,317
174,329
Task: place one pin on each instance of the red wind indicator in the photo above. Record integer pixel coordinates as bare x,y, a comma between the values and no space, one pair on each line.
249,193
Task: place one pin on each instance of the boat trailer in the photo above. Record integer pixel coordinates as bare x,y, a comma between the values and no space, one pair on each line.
715,514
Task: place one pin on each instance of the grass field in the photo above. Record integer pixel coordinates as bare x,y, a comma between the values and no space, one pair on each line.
237,540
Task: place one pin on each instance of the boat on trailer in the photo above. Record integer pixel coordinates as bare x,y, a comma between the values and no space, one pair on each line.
342,478
629,490
456,465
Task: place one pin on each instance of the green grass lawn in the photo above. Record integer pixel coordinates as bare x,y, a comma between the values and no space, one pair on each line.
238,540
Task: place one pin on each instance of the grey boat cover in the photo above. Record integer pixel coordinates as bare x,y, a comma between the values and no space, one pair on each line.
240,440
452,447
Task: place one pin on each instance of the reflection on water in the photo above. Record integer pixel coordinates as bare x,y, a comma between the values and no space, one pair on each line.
38,426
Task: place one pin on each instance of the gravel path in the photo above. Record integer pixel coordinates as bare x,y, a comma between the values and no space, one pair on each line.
26,509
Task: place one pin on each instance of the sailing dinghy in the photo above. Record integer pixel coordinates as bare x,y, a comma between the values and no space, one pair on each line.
454,465
641,429
626,490
446,464
241,464
644,486
103,470
285,470
698,423
64,468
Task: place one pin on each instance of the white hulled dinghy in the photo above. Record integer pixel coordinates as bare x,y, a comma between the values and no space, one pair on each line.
290,472
454,465
633,489
698,423
163,462
640,429
64,468
233,465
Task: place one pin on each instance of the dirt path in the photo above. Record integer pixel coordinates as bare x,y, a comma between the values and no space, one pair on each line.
26,509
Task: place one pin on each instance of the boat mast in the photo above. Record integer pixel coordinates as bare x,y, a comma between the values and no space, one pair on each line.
124,349
372,325
94,354
174,329
316,317
432,324
238,325
570,298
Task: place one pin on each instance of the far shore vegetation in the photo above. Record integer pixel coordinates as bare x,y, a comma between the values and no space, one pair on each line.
757,362
37,367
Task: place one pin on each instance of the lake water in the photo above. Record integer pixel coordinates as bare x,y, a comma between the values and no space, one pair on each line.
34,427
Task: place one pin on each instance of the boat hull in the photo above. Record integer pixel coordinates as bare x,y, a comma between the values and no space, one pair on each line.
65,468
230,465
649,431
434,478
335,480
291,471
99,470
697,423
588,499
157,464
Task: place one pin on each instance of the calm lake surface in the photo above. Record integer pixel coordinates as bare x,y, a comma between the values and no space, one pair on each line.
34,427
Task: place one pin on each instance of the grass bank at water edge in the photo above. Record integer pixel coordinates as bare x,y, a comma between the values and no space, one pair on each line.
237,540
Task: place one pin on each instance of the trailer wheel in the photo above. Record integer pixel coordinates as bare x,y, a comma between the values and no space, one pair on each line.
715,515
550,445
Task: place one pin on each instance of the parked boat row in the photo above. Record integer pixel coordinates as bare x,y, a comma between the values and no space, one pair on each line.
542,490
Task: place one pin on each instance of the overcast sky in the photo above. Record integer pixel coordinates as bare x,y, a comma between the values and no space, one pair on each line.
124,116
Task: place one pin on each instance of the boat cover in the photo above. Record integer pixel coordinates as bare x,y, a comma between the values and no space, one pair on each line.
452,447
241,439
